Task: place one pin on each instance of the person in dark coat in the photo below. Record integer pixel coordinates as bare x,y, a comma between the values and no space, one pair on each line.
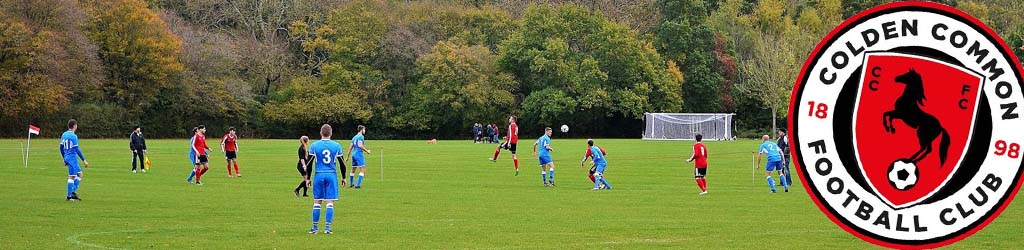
786,158
137,143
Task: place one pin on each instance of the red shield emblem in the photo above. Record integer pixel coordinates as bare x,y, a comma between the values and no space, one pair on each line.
912,121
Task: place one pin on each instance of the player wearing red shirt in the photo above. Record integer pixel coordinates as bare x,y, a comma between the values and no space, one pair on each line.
229,146
510,143
200,149
700,165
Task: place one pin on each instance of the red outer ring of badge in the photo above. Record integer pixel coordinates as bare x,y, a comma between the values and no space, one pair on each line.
998,41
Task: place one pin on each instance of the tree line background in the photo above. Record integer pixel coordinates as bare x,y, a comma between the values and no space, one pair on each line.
411,69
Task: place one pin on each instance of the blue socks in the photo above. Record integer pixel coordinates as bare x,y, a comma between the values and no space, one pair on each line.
330,215
785,182
351,178
544,177
78,180
193,174
551,175
771,183
360,182
316,215
71,187
600,180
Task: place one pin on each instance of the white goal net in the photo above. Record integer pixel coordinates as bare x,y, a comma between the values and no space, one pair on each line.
683,126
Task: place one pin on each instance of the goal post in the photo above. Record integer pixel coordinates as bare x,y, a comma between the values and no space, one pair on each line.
683,126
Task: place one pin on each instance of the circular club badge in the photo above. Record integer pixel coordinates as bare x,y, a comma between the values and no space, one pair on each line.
906,123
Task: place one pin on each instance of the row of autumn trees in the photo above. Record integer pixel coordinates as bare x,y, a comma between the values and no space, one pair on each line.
410,69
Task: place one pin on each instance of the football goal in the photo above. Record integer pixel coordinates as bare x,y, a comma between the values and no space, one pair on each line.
683,126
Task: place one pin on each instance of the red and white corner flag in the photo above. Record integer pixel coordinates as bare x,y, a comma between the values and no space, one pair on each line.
33,130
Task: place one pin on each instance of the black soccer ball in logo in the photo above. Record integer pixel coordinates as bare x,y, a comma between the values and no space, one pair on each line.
903,174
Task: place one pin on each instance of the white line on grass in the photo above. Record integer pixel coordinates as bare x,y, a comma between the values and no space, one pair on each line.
74,238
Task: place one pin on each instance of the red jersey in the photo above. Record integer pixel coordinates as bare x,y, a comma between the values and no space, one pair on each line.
513,133
700,155
229,143
589,154
199,145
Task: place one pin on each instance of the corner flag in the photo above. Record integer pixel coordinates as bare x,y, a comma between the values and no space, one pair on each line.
32,130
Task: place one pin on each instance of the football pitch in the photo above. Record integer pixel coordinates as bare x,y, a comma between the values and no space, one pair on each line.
443,196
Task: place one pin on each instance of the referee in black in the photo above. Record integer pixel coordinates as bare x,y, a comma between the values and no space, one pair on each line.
786,158
138,145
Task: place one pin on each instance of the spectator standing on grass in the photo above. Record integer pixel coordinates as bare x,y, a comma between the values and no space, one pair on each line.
476,132
490,133
137,143
496,132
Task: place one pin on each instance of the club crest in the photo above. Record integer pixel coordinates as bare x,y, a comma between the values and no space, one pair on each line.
905,125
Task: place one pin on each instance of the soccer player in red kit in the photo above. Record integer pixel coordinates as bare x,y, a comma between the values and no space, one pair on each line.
510,143
202,159
700,165
229,145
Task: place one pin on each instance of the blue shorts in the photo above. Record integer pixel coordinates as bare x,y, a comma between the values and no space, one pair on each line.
772,166
73,168
358,162
325,186
600,168
545,160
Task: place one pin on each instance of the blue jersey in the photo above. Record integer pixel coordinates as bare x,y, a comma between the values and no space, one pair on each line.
356,151
543,143
326,152
771,149
598,157
191,152
69,147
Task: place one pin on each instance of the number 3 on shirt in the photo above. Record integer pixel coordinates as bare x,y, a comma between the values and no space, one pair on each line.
327,156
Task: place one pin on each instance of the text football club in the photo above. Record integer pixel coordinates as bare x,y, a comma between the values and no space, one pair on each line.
906,125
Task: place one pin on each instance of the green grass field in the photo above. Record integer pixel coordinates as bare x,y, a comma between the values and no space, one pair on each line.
445,196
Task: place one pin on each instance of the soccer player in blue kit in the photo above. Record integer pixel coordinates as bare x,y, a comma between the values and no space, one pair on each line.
192,155
774,162
547,166
325,177
358,162
70,151
595,153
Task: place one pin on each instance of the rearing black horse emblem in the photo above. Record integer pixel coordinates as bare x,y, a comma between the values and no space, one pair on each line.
908,109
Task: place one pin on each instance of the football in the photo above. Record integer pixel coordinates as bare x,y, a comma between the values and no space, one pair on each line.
565,128
903,174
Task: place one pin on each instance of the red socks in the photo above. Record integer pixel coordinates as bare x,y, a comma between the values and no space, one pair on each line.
702,184
229,169
516,161
236,169
496,152
595,180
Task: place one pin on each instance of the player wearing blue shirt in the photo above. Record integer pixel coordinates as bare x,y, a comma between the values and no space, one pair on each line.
70,151
595,153
358,162
325,177
547,167
192,155
774,162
